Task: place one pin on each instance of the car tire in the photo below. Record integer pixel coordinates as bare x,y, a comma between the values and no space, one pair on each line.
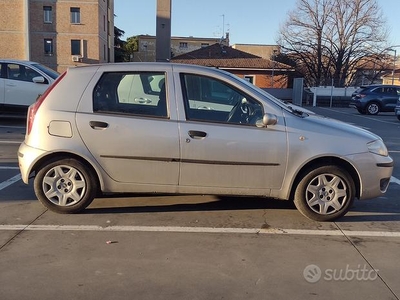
325,193
65,186
372,108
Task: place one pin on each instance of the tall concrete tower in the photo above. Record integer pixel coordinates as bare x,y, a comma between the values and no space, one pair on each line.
163,30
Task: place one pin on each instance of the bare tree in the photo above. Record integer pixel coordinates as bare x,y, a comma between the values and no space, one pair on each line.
330,39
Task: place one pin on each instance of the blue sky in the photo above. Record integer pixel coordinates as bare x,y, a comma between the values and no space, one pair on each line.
248,22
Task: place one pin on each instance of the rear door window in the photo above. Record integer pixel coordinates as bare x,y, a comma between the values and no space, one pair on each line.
139,93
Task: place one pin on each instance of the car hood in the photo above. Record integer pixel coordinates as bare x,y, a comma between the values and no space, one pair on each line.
328,130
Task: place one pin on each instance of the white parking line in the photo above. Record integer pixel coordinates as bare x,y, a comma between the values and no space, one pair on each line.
8,168
10,181
10,142
394,180
177,229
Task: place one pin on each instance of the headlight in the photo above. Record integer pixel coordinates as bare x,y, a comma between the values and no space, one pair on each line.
378,147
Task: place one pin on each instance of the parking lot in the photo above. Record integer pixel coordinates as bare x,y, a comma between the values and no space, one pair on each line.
197,247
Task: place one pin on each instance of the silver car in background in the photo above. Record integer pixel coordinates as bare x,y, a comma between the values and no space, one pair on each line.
172,128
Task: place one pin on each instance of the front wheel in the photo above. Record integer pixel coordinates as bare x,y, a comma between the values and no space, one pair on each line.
325,193
372,108
65,186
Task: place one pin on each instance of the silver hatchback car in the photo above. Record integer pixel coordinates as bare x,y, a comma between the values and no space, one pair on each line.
172,128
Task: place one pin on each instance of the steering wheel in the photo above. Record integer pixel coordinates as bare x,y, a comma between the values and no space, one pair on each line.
241,112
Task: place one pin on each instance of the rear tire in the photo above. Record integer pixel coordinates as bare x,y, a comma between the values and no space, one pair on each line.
65,186
325,193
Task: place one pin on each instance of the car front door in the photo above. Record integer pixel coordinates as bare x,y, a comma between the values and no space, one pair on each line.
222,149
19,87
130,130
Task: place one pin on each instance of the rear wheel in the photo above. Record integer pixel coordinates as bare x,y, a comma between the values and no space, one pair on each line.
325,193
372,108
65,186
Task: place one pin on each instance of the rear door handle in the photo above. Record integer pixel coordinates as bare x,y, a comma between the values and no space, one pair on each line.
98,124
194,134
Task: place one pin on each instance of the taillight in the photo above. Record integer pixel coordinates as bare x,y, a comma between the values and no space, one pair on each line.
362,95
35,107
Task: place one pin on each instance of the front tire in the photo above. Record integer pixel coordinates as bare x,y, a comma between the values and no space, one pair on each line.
372,108
325,193
65,186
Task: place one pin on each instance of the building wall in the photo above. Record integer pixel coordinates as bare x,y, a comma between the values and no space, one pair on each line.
12,29
179,45
262,80
95,31
264,51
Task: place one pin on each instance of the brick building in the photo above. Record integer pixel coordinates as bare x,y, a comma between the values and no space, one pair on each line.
57,33
262,72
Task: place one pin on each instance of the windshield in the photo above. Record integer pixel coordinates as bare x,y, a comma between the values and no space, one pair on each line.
53,74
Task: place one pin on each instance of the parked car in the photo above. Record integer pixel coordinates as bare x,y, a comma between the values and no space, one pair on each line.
21,82
373,99
172,128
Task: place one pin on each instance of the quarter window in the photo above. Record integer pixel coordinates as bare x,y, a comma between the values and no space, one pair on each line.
75,15
211,100
47,14
131,93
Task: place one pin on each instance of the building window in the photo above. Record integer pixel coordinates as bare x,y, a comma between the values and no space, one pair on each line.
75,15
75,47
183,45
249,78
203,45
47,14
48,47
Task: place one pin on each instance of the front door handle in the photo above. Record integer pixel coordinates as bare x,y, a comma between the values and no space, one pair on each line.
194,134
98,124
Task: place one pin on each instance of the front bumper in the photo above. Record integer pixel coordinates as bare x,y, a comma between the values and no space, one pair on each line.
374,172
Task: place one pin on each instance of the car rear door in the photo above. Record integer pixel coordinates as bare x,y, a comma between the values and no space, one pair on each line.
223,151
128,127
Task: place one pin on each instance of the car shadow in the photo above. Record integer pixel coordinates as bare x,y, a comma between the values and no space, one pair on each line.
382,210
171,205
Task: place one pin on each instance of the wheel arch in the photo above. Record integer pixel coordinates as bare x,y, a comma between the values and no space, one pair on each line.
325,161
67,155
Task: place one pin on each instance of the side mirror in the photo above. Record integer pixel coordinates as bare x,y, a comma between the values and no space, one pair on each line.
38,79
268,119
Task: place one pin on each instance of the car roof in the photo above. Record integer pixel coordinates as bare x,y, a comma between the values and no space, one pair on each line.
379,85
18,61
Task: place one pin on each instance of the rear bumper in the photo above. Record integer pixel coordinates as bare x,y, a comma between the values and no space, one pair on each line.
27,157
